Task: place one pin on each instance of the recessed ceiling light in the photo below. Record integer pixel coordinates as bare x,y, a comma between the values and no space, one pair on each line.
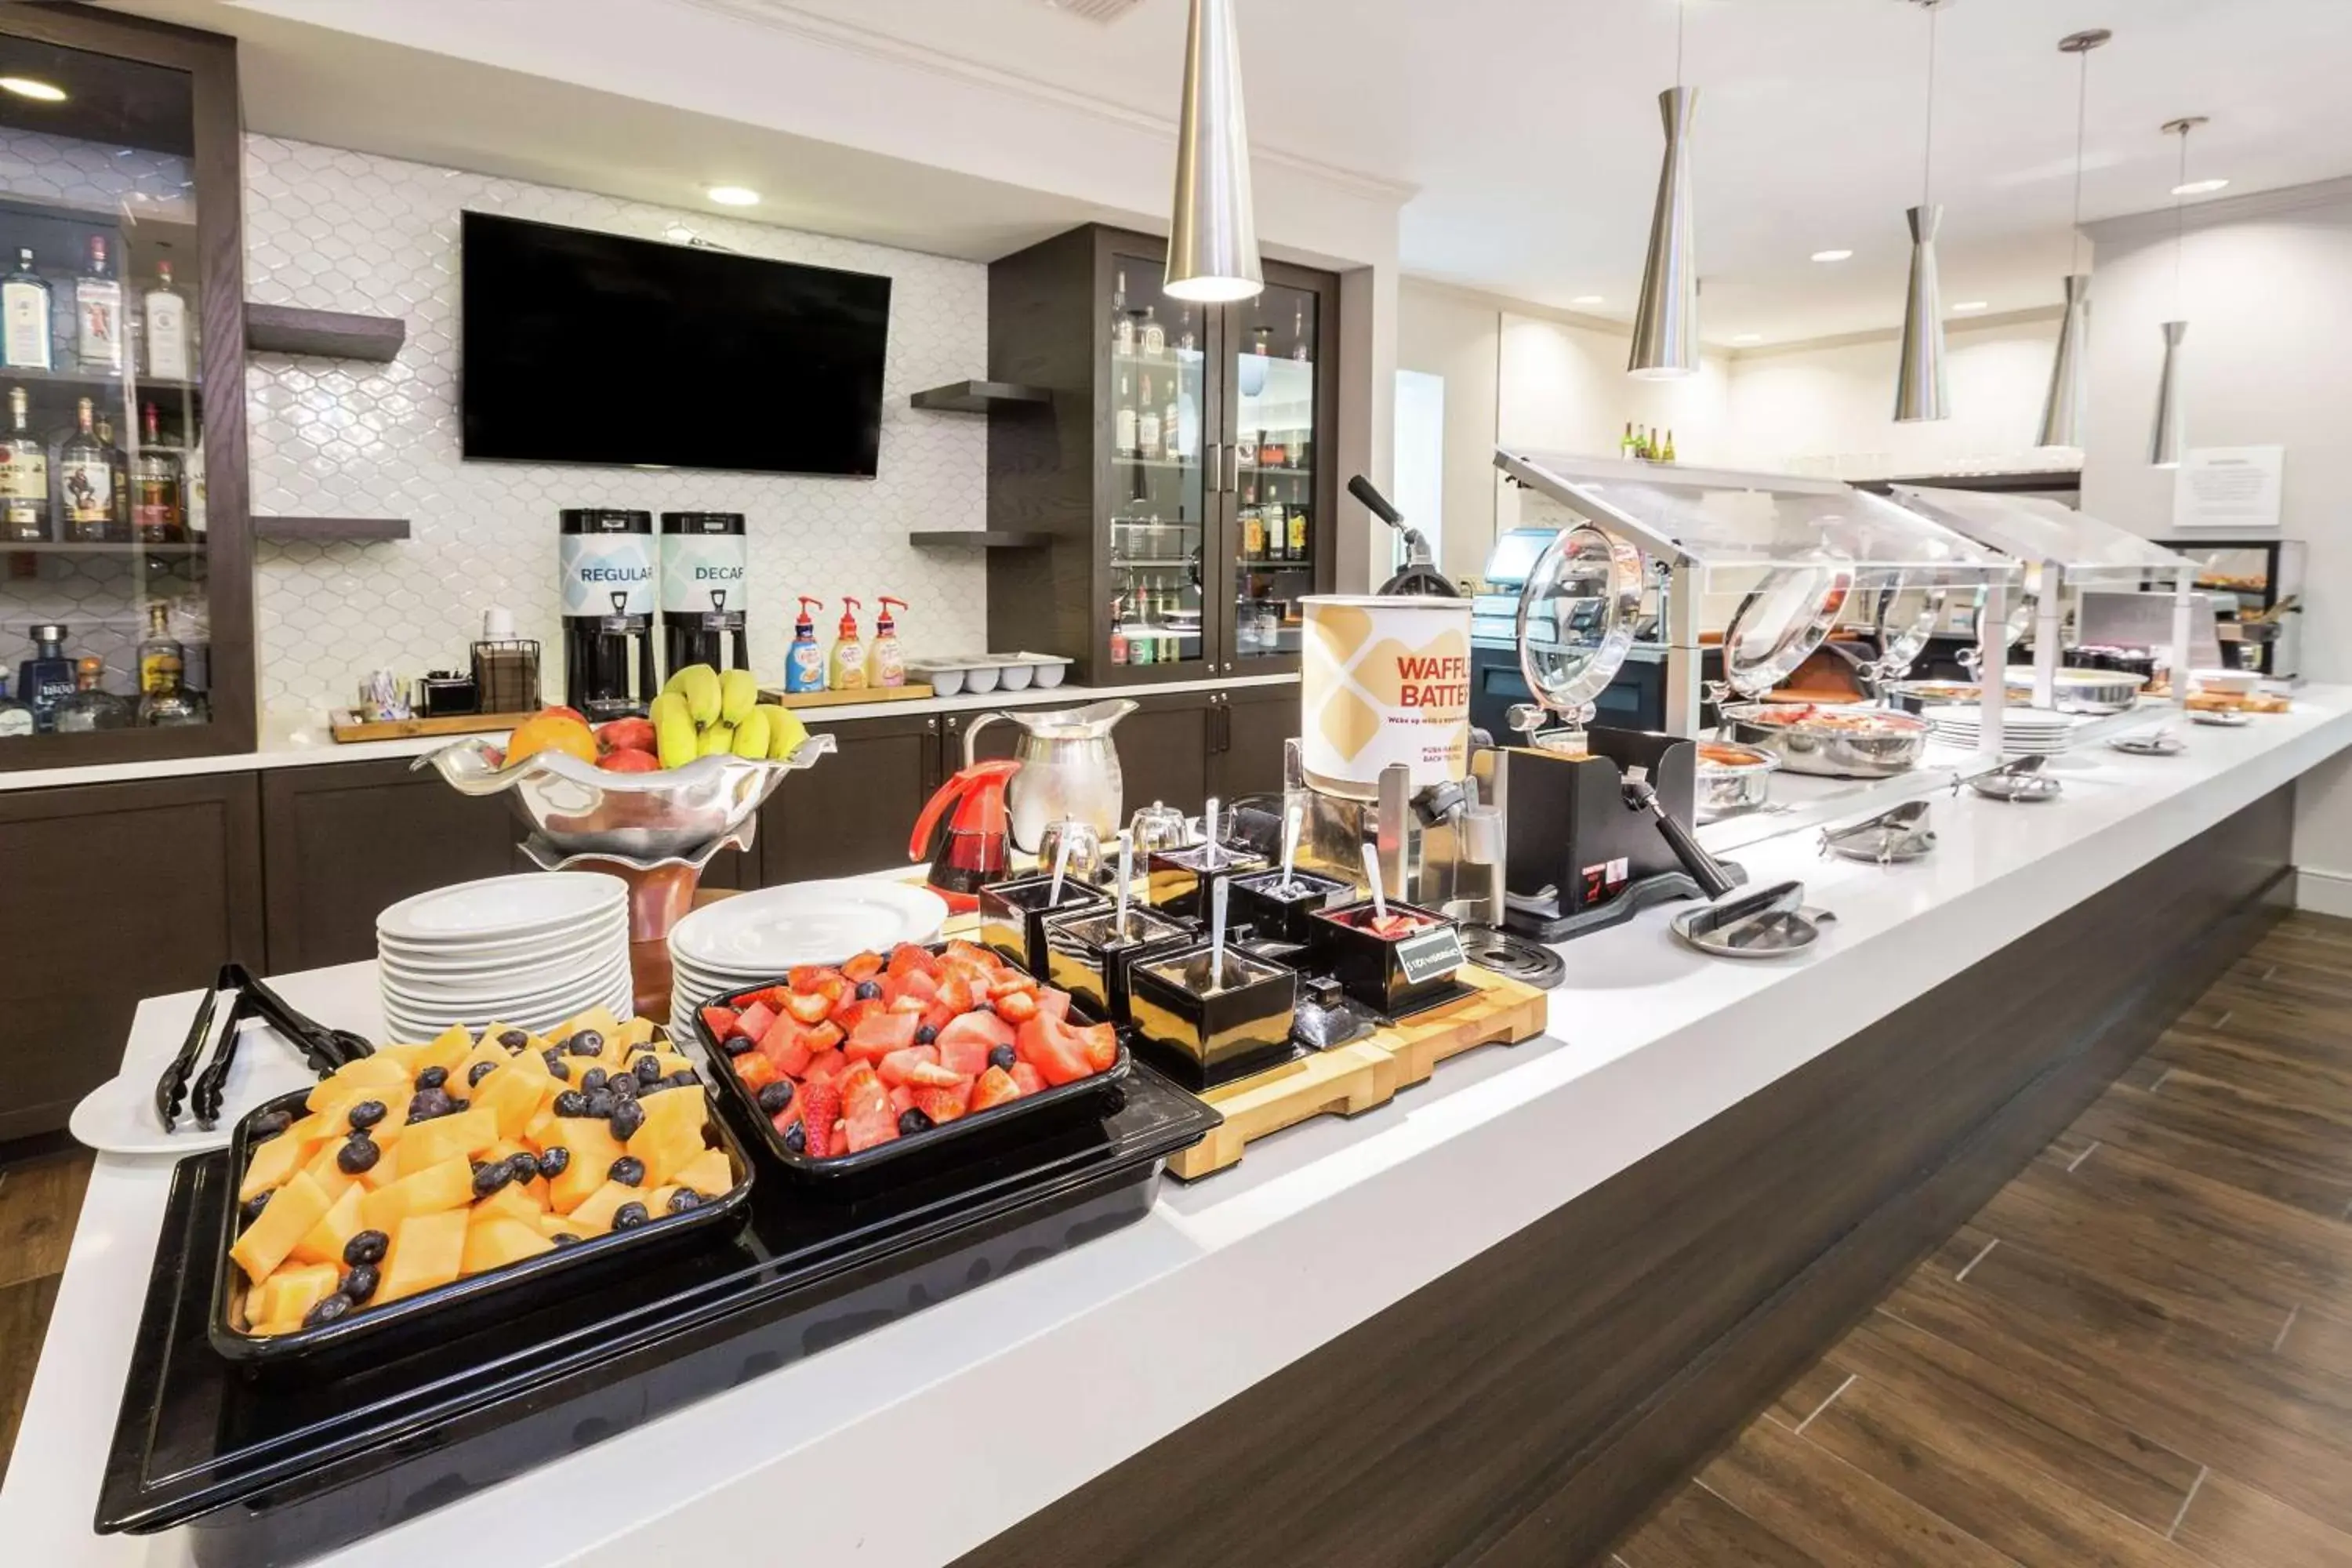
2193,188
1586,300
1832,255
28,87
1748,337
1971,305
733,196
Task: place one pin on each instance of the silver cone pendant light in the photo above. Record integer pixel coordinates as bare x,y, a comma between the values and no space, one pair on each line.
1665,323
1212,240
2062,410
1920,392
2171,420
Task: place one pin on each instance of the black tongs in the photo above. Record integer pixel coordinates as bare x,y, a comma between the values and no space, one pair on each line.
322,1049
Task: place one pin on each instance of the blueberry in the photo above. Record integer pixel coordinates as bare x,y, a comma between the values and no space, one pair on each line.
552,1056
796,1140
737,1045
367,1247
683,1199
514,1039
456,1105
490,1178
925,1035
361,1282
627,1117
684,1078
570,1102
594,1079
628,1216
625,1085
559,1069
564,1238
600,1104
913,1120
426,1104
366,1114
869,990
648,1070
628,1169
552,1162
270,1124
1002,1056
358,1153
477,1072
432,1078
586,1043
654,1088
253,1207
524,1166
774,1097
329,1309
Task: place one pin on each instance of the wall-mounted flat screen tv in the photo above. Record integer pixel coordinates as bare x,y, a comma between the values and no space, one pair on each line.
581,347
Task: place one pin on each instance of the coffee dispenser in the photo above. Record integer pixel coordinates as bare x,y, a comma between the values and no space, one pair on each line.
705,557
608,611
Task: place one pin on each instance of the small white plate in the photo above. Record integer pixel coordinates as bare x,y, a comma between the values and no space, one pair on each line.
770,930
518,906
118,1116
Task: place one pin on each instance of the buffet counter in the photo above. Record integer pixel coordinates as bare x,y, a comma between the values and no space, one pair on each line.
1013,1396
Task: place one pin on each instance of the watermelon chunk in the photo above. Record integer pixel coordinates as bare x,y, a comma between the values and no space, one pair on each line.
966,1056
986,1029
867,1116
1054,1003
879,1034
898,1067
1028,1079
787,1045
753,1020
721,1022
1052,1050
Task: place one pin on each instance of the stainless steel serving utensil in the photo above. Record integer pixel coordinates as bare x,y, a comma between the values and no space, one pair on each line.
1771,923
1891,837
2156,743
2020,782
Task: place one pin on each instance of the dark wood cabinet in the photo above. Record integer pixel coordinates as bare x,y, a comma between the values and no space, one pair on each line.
1254,723
1165,749
115,893
851,814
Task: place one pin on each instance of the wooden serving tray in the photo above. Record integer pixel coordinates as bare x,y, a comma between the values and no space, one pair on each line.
1366,1073
348,727
912,690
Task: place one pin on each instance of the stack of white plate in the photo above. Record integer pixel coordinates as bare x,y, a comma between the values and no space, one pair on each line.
532,950
756,937
2024,731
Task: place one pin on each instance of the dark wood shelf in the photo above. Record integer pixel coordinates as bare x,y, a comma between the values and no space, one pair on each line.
329,334
332,529
30,376
98,547
980,396
978,539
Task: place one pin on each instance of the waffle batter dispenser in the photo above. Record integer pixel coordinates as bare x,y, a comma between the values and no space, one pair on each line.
1578,855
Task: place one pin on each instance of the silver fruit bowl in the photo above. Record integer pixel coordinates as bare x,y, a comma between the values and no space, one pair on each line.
583,809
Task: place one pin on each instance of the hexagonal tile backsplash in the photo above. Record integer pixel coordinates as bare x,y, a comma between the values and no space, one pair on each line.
349,231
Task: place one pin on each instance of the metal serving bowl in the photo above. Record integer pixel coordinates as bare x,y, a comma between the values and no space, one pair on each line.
1733,778
579,808
1828,747
2087,690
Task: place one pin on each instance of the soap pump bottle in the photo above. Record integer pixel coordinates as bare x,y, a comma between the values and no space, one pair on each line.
884,665
848,666
804,661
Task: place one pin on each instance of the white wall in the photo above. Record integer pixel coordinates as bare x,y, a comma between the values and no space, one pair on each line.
2267,291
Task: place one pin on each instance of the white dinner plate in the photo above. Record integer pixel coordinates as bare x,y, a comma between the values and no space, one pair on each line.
535,1004
476,957
118,1116
514,984
768,932
518,906
408,1026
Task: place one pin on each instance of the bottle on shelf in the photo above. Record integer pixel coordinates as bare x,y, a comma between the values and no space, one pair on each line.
46,678
1146,424
1122,325
804,661
192,485
98,313
26,303
15,717
1296,528
157,516
162,659
1627,446
1143,637
163,314
1124,438
119,467
1253,528
1151,337
1667,452
91,706
846,670
1117,631
86,479
23,475
1650,446
1273,452
1262,342
1174,434
1300,351
1187,341
884,661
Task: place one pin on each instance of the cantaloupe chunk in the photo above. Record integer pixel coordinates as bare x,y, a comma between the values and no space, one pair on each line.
595,1212
323,1169
553,1225
599,1018
675,1108
636,1032
323,1242
594,1150
665,1149
487,1049
427,1249
468,1133
277,1307
429,1190
708,1173
512,1201
672,1061
384,1172
497,1241
288,1216
510,1096
358,1080
273,1164
530,1059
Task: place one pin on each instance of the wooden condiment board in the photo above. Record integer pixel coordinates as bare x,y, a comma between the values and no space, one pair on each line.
348,727
1366,1073
843,698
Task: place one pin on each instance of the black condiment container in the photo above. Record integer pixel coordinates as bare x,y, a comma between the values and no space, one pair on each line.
1391,974
1178,882
1087,956
1202,1036
1278,911
1012,915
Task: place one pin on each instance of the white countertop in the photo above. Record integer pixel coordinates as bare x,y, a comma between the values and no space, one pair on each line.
310,748
1037,1382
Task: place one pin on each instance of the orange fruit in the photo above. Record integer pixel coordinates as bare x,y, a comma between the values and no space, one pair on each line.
552,732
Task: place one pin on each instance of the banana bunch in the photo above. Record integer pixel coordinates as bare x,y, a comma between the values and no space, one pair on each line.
703,713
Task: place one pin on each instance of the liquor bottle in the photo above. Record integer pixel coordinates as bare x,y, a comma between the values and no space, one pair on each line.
1297,528
1188,342
1153,338
1122,325
23,475
15,718
192,485
1650,445
24,305
155,489
86,481
1627,446
1667,452
1118,632
119,473
1147,424
163,312
1172,433
1278,537
1252,528
46,678
1262,342
1300,350
162,660
1125,420
98,313
91,706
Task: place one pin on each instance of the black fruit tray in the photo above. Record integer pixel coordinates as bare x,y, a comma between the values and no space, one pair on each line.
271,1472
916,1154
448,1308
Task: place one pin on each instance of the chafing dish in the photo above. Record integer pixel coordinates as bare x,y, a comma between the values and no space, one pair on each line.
1732,778
1848,743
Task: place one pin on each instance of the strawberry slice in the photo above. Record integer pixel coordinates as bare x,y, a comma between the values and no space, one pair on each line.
907,959
850,1013
1052,1050
931,1075
1016,1007
865,1113
965,953
957,993
1099,1043
942,1105
720,1021
809,1006
820,1105
995,1088
1028,1079
862,968
897,1068
807,979
755,1071
826,1036
1011,982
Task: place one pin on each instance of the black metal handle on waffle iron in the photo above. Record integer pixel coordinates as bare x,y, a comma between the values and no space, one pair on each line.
1704,868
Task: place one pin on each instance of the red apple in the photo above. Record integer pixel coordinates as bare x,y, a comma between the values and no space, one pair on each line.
628,735
629,759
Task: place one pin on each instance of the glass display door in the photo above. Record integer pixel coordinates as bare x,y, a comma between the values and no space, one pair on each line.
1278,435
1161,498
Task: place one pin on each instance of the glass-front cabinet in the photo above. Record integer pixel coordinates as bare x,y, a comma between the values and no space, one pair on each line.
1166,517
125,592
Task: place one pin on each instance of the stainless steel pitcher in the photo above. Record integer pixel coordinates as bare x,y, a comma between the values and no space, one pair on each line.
1069,769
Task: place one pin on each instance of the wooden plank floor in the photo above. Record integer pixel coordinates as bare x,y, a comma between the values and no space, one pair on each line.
40,1198
2138,1354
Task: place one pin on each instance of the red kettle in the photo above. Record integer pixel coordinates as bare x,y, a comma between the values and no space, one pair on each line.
974,848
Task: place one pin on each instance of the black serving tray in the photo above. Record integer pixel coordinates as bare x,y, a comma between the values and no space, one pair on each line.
271,1472
447,1309
913,1154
